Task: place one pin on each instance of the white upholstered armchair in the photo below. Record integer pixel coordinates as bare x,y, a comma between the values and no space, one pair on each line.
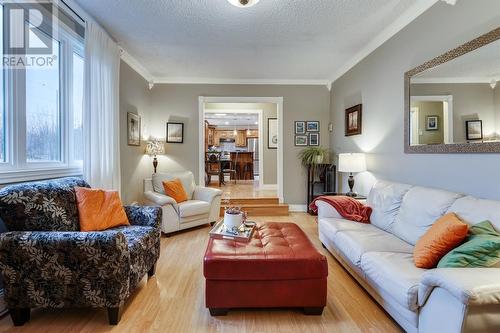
202,207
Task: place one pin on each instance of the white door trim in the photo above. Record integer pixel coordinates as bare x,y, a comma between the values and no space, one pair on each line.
447,112
201,116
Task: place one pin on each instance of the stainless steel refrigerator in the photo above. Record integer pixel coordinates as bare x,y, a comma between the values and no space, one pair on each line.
253,146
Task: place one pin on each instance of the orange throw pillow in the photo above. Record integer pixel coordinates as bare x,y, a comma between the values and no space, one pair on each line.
99,210
445,235
175,190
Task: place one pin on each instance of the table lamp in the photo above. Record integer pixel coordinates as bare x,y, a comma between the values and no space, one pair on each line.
352,163
155,148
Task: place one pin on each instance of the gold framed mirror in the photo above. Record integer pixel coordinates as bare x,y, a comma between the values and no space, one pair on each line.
452,102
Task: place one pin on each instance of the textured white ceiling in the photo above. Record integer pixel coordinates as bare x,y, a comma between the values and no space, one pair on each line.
274,40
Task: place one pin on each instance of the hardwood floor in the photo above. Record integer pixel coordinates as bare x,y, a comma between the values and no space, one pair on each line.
173,300
244,189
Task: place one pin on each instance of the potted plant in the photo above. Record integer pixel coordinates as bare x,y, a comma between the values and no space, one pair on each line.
313,156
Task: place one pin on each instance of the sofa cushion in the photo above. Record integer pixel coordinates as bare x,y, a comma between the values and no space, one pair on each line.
193,207
482,249
41,206
99,210
395,274
385,200
186,177
443,236
330,226
421,207
175,190
354,244
473,210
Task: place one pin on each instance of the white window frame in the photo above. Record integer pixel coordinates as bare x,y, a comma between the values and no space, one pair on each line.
16,168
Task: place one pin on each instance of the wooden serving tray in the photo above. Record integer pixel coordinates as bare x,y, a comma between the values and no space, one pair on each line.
245,234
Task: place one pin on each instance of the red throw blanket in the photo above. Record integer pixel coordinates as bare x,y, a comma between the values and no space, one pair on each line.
348,208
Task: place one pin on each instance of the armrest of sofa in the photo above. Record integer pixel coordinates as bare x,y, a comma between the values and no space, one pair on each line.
471,286
325,210
65,268
206,194
144,216
160,199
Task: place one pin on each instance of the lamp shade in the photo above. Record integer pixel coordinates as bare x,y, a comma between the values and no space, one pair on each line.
155,147
352,163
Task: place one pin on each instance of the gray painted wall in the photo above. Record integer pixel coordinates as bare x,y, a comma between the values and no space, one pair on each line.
179,102
377,82
135,166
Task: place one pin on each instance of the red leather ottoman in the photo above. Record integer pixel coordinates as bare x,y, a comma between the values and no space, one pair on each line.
279,267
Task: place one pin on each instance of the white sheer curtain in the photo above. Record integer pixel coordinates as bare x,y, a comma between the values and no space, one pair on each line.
101,166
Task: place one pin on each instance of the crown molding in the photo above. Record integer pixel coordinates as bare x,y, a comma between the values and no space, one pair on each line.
137,66
488,80
187,80
401,22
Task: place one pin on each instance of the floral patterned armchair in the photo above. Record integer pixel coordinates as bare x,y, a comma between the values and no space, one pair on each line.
46,261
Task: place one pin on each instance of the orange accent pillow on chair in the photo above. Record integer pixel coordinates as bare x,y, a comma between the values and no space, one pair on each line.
175,190
444,235
99,210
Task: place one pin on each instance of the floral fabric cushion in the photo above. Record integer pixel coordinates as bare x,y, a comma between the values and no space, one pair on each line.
41,206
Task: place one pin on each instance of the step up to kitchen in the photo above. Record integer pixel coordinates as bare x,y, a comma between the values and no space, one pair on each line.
258,206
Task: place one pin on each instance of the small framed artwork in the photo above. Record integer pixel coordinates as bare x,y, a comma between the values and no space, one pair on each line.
301,140
272,131
133,129
313,139
300,127
474,130
175,133
353,120
432,123
313,126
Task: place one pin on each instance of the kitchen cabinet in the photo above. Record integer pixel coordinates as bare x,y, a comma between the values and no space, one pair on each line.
217,138
241,139
253,134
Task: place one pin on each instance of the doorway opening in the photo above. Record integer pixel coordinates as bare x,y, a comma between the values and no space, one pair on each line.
240,150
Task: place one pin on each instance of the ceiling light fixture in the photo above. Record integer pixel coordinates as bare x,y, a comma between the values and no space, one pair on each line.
243,3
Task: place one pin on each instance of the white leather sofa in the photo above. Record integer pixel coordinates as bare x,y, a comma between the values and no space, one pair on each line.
379,256
202,207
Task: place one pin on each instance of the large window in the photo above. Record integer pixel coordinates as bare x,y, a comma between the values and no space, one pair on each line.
41,107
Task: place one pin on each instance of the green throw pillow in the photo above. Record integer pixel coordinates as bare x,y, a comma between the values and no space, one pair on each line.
482,249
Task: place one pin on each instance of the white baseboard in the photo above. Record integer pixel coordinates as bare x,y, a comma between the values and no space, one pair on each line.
297,208
269,187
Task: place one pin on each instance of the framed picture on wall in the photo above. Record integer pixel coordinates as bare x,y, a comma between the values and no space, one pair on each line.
133,129
300,127
301,140
272,133
313,126
175,133
474,130
353,120
313,139
432,123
